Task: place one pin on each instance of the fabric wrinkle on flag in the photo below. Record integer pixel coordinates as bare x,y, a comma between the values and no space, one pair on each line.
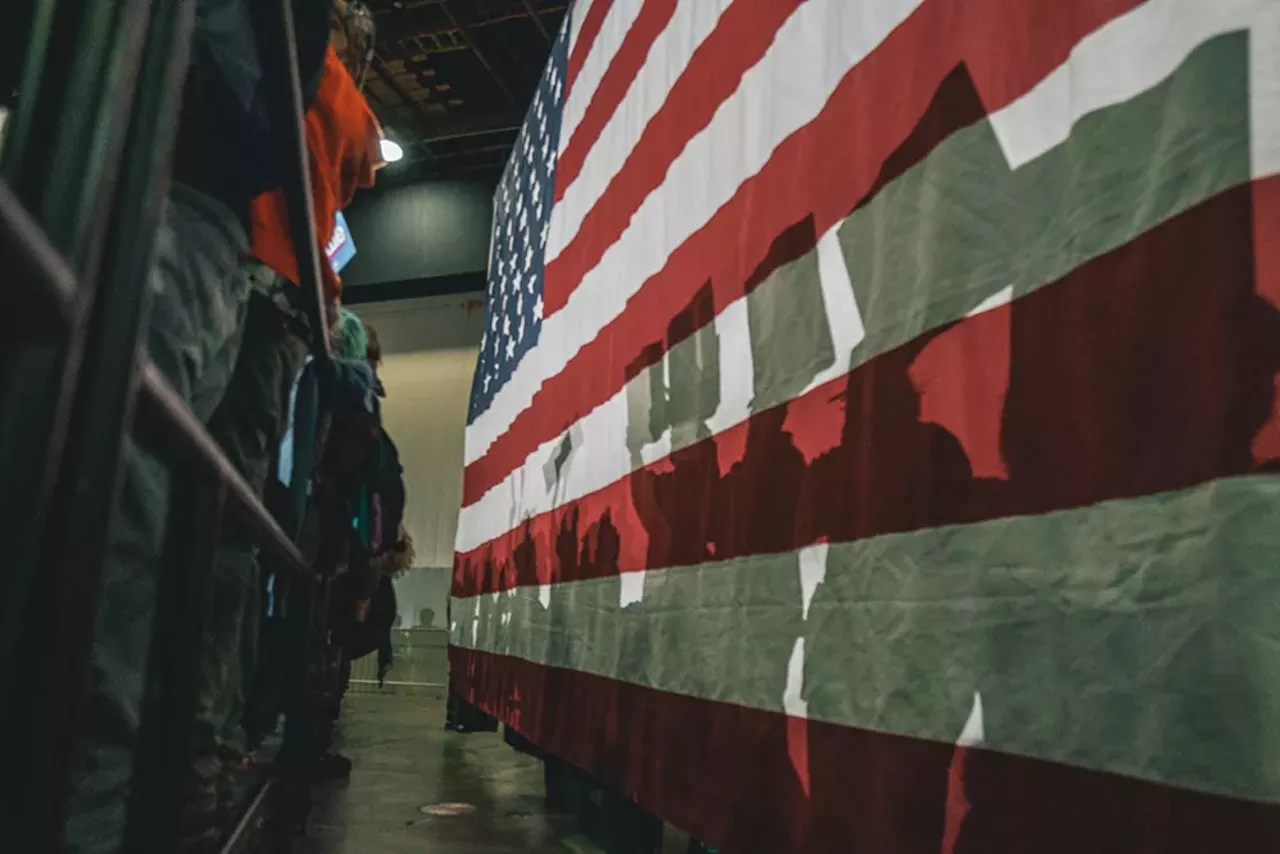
885,456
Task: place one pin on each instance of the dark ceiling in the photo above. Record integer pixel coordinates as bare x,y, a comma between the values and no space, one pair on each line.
451,79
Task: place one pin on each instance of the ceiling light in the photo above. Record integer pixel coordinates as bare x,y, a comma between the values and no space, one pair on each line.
391,150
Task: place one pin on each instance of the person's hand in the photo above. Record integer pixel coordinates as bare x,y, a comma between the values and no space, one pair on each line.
362,610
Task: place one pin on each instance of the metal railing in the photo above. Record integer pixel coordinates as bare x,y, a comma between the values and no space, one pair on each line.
85,174
421,666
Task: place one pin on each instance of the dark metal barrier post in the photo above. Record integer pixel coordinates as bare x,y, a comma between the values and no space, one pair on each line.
81,365
182,610
188,441
279,51
307,610
37,311
275,28
60,613
63,154
66,133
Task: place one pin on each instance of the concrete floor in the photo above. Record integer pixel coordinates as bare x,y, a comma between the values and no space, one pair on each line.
404,761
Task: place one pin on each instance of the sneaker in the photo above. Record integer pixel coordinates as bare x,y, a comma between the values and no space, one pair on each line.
333,766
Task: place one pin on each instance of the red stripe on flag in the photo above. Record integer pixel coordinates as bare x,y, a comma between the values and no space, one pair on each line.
586,38
1144,370
1266,237
741,37
1266,213
724,774
651,21
938,36
879,103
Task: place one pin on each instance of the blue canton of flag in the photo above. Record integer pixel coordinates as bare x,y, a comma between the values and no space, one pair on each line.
522,213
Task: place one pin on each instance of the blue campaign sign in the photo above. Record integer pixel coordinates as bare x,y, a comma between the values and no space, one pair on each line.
340,248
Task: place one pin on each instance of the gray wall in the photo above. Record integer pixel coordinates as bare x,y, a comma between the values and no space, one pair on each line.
412,233
419,590
419,231
429,356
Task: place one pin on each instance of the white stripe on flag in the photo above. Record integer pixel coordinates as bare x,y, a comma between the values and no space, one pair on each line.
963,589
667,60
1130,61
578,14
737,366
782,93
617,21
1128,56
1264,93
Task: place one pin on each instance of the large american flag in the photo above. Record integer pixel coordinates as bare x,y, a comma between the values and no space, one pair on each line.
522,222
873,441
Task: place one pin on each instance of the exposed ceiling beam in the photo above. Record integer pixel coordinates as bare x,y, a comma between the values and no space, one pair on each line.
473,133
466,35
380,69
537,21
406,25
447,125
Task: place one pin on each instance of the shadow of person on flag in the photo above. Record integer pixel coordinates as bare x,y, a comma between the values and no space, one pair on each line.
701,521
524,557
673,497
1144,373
608,740
914,451
753,519
890,472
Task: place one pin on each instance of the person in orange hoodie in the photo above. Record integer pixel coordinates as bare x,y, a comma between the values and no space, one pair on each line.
343,137
343,140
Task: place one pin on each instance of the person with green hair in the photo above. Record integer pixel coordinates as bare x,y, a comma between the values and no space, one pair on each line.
349,338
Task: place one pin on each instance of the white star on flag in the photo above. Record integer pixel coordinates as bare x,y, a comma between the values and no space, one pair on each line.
521,235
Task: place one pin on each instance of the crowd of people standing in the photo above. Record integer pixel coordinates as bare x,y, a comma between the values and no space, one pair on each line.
230,331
